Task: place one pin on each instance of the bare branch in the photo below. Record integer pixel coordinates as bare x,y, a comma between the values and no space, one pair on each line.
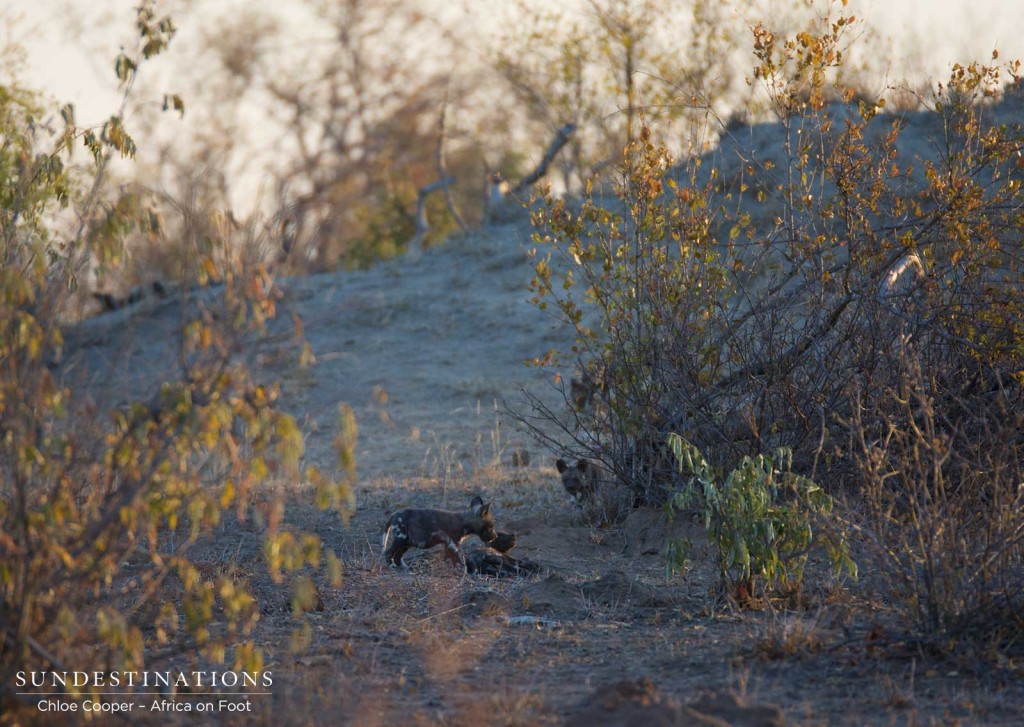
561,139
422,223
442,168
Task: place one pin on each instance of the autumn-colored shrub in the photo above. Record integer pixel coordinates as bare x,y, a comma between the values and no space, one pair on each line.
736,309
99,508
771,296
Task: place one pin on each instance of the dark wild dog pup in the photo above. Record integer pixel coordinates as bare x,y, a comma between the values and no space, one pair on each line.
593,491
579,480
499,565
421,528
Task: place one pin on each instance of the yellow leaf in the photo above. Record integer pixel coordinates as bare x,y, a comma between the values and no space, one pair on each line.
228,494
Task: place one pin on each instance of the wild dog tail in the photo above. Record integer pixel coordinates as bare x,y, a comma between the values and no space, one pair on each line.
386,537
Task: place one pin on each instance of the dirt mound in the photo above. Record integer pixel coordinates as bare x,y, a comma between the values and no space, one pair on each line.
482,602
526,525
562,546
556,597
617,588
628,703
552,596
648,531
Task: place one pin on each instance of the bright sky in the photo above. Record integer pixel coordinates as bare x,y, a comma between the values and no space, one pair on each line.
70,43
930,34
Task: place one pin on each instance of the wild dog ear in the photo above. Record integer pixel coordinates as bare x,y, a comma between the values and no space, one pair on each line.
485,510
476,502
561,466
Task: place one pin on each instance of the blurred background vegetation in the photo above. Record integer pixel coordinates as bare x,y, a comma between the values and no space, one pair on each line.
311,127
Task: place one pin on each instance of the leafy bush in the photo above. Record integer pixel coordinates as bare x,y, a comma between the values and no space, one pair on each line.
99,510
733,303
637,280
759,518
822,292
664,288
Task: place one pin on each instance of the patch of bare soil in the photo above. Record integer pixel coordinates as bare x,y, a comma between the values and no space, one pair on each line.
426,351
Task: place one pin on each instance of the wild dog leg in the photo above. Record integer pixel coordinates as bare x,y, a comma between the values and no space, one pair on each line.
452,549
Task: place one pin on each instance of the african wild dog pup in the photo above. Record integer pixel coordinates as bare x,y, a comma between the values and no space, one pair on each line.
579,480
594,492
420,528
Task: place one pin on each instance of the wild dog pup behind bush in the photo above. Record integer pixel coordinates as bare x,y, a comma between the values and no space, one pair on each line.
594,491
579,480
422,528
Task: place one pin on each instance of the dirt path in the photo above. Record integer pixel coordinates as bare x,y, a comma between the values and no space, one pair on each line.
426,350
